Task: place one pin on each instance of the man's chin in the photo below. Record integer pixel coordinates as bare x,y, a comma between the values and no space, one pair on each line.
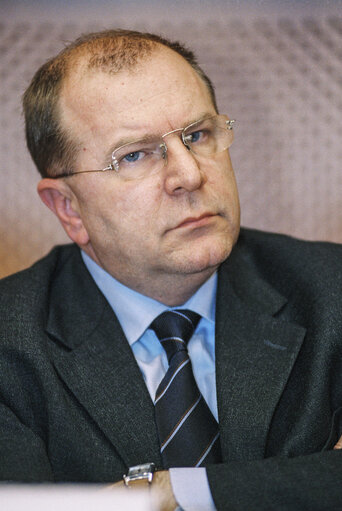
202,261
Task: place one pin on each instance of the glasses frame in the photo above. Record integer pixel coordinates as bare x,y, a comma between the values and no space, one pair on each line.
114,166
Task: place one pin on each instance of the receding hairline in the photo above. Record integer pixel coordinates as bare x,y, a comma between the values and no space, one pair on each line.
107,53
83,62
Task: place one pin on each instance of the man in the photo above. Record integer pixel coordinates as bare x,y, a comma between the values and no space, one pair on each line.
134,159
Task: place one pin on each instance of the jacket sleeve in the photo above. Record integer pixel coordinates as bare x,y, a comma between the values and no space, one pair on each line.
23,456
311,482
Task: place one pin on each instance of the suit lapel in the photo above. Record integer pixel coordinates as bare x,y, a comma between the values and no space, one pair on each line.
93,357
255,353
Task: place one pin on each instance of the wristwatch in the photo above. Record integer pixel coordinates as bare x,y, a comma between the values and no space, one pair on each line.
140,475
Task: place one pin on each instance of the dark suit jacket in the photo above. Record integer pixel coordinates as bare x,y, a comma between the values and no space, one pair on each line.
74,406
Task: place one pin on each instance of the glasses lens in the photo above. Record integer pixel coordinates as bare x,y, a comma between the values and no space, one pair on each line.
139,159
209,136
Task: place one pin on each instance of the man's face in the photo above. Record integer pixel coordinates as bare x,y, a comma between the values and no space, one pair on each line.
180,222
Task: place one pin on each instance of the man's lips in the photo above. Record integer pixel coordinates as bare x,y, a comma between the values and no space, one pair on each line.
195,221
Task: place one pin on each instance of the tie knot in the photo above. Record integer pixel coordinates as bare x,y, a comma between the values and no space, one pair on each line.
174,329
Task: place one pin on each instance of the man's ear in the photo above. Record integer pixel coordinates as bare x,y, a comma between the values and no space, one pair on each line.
58,197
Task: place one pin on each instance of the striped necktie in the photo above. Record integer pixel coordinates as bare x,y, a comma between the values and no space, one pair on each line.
188,432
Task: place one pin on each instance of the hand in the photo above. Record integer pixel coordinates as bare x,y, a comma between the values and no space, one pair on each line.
161,491
339,444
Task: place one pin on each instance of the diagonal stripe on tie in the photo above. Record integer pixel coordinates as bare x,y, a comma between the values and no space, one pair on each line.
167,383
188,432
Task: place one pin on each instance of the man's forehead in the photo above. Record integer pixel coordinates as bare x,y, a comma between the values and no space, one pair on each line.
124,95
155,84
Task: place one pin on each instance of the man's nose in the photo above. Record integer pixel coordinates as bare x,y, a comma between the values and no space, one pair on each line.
182,172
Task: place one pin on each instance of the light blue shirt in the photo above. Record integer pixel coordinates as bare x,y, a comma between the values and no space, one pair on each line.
135,313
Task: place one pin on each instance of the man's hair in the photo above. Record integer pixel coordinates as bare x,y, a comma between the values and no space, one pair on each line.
52,147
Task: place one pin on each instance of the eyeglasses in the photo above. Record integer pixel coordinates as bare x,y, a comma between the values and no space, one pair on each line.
136,160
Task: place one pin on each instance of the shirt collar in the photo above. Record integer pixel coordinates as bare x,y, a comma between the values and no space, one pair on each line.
135,311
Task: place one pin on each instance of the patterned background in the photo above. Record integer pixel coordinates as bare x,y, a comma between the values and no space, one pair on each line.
277,67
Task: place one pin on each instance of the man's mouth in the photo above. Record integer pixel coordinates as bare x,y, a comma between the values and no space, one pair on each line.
198,221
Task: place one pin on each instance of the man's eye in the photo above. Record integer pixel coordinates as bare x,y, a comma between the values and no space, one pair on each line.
202,136
195,137
132,157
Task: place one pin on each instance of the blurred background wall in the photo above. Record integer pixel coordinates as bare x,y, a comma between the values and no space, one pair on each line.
277,68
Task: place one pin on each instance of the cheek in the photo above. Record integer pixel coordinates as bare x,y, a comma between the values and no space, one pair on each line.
136,201
222,183
130,208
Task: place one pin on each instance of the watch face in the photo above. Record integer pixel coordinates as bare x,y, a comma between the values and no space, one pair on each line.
139,473
140,469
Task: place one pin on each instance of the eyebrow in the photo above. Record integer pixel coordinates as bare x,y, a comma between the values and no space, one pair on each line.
148,136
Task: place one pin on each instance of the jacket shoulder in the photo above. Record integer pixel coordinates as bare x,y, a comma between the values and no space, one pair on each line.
279,254
27,288
307,273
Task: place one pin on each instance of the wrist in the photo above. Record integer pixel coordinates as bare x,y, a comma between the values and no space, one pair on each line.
158,483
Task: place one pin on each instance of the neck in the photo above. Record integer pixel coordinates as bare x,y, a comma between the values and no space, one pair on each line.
170,289
173,290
